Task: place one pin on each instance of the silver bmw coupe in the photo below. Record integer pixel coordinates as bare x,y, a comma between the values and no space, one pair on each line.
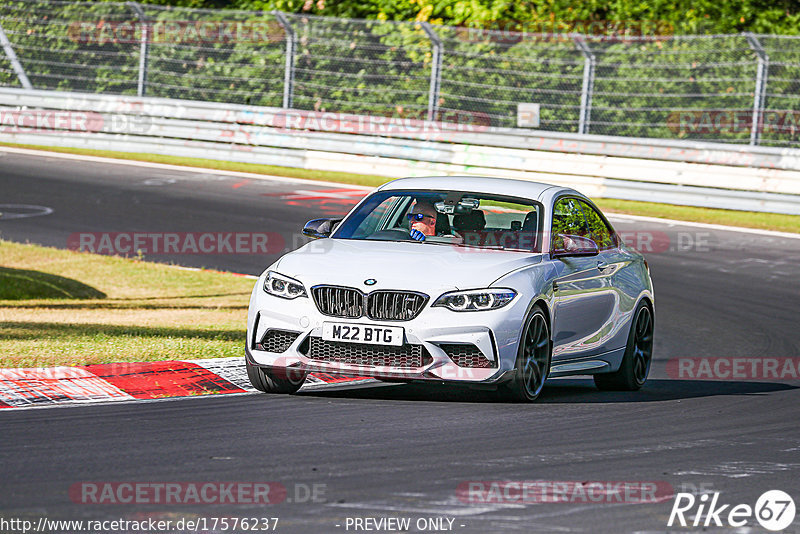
489,282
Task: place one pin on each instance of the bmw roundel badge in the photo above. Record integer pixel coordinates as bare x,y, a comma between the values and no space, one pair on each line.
370,281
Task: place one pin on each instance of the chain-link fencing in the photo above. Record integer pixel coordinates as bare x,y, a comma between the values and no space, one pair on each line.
740,88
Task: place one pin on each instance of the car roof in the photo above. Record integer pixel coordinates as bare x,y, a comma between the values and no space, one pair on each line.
480,184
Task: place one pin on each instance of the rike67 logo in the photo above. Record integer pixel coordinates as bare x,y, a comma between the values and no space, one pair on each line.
774,510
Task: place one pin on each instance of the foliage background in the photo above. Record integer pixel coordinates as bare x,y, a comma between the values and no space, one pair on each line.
685,16
381,64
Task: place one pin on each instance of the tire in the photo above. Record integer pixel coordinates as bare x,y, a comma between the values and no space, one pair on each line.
274,381
635,366
533,359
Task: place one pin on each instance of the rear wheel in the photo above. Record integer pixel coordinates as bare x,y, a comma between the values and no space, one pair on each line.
633,371
533,359
274,380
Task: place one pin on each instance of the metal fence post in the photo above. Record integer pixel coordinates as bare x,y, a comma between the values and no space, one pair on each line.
588,84
761,87
288,75
141,87
12,57
436,71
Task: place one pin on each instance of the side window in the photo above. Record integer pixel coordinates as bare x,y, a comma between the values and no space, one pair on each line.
377,218
567,219
599,230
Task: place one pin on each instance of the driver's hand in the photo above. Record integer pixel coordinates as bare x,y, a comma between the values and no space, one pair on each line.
417,235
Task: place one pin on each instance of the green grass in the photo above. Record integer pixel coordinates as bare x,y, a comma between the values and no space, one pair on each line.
748,219
60,307
765,221
21,284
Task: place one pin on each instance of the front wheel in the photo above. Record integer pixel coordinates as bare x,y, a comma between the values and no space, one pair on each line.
635,367
533,359
274,381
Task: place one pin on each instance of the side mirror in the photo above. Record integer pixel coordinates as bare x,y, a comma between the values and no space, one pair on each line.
575,245
318,228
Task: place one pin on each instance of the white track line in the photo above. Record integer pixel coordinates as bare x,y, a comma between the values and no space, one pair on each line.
319,183
122,402
180,168
642,218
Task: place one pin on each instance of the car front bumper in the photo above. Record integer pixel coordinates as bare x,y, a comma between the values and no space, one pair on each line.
495,333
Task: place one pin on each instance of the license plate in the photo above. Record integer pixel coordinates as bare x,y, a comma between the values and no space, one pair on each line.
360,333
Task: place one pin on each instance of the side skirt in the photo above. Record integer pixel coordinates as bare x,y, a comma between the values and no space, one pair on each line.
602,363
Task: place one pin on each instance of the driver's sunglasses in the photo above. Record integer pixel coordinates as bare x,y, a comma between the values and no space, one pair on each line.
418,216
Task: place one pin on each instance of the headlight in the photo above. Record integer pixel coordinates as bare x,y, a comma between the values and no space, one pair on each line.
283,286
476,299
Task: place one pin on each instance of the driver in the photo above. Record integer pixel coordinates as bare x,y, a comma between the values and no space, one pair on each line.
422,220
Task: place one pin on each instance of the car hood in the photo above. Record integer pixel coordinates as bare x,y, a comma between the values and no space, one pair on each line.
400,265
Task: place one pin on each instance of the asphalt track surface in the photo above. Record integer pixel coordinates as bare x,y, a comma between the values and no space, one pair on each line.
403,450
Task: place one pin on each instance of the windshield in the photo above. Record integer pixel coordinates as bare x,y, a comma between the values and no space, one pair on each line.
458,218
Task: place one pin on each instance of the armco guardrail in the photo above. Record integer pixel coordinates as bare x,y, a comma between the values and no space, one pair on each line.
689,173
583,77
